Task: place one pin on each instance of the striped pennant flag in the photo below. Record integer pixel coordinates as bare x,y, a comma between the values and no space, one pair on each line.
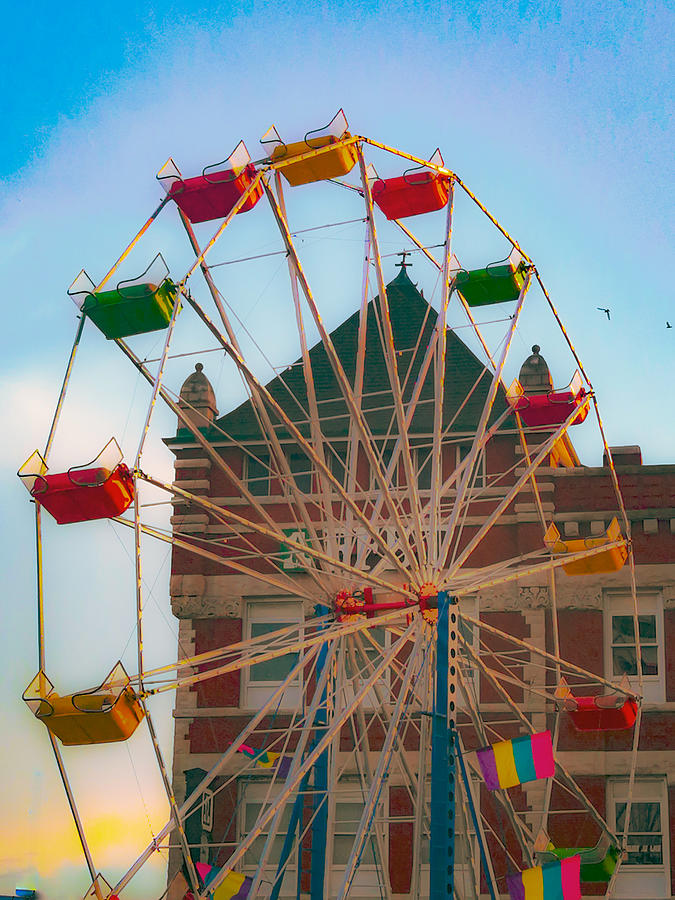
267,760
513,762
560,880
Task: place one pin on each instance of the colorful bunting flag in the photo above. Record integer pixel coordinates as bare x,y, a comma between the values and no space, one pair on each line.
234,886
267,760
553,881
521,759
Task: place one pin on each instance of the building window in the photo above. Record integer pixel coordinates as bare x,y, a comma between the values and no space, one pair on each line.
422,464
357,670
348,809
346,823
384,455
461,453
263,617
258,474
646,870
337,462
256,796
345,817
301,470
621,645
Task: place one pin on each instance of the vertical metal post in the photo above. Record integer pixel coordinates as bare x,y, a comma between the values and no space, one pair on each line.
320,796
443,761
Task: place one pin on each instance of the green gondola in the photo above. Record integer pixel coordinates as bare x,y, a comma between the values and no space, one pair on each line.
133,307
498,282
597,863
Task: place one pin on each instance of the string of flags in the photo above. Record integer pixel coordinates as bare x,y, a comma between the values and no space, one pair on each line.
268,760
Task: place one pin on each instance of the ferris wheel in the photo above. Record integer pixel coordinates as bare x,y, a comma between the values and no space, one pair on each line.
370,469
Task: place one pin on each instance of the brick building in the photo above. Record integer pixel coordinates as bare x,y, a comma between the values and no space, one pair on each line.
218,606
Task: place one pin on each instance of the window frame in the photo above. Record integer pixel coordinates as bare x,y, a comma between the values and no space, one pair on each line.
370,701
618,602
422,460
303,477
642,880
265,481
256,793
255,692
462,450
384,454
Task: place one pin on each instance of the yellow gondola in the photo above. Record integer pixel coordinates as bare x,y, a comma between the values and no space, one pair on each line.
330,164
610,560
102,715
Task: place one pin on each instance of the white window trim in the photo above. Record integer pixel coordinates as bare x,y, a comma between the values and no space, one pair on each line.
260,793
366,879
649,602
365,883
272,609
645,881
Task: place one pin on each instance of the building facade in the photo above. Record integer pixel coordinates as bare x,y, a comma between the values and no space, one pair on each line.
593,627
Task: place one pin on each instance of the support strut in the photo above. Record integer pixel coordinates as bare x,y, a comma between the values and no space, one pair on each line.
443,759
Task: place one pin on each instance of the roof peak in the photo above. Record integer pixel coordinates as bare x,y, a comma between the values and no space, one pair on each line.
402,278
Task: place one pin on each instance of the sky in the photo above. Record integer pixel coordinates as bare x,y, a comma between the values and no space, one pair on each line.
558,116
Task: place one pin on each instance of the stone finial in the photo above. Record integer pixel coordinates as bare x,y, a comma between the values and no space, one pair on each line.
534,376
198,399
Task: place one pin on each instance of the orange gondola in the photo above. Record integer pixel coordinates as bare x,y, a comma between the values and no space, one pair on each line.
102,715
330,164
610,560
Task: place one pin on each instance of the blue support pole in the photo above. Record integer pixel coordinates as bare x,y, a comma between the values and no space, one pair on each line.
443,739
320,797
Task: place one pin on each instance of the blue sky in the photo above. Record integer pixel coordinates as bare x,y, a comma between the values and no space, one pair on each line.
558,116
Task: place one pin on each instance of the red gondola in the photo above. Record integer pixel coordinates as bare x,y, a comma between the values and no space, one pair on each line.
213,194
613,712
419,190
551,408
101,489
608,712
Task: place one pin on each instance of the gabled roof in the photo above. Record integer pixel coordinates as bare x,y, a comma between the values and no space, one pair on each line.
413,321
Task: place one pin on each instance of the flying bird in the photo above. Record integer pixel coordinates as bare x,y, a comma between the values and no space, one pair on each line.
668,325
603,309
